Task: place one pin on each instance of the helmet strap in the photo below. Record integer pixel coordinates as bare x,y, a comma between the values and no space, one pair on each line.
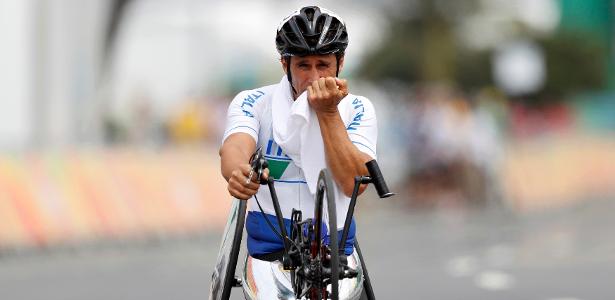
289,76
338,57
337,67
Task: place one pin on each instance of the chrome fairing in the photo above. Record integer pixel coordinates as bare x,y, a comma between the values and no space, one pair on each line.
263,280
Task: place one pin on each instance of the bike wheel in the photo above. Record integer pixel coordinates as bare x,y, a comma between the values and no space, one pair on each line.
368,291
325,188
223,278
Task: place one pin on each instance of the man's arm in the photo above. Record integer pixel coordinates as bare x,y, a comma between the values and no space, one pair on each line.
343,159
235,156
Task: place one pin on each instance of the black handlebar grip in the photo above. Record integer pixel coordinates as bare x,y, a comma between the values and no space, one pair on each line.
378,179
259,163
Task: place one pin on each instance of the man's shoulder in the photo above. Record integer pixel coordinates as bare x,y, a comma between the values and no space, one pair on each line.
353,102
257,93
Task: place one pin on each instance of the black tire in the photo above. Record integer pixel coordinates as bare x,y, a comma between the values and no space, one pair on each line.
325,187
364,295
368,291
229,281
223,278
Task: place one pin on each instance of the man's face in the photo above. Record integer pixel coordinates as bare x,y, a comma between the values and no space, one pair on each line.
305,69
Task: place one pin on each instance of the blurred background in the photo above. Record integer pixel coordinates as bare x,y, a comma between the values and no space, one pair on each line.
496,129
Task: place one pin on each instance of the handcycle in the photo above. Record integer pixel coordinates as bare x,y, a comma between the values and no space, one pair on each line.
315,268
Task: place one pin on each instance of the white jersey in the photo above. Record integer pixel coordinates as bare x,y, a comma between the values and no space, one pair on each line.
250,112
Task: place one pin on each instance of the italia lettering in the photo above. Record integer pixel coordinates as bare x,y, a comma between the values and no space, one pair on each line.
249,101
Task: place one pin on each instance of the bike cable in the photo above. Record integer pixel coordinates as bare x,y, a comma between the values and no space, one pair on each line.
271,225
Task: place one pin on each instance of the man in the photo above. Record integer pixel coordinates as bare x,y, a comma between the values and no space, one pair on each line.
307,122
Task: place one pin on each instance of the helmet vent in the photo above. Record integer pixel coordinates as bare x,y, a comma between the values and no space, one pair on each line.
291,36
331,33
320,23
344,36
303,27
309,13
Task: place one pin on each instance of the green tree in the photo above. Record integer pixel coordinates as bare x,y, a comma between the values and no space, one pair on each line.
424,47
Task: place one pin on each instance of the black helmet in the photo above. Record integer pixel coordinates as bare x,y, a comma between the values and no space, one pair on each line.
311,30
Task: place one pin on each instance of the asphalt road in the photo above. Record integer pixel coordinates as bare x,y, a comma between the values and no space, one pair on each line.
562,254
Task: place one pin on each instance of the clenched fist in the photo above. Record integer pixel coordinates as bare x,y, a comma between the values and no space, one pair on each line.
240,187
326,93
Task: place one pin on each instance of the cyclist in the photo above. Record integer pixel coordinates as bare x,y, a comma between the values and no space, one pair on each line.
306,122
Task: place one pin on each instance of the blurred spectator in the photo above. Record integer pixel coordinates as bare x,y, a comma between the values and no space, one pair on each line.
454,147
188,124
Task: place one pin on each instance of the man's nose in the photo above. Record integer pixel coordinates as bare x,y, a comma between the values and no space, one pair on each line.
313,75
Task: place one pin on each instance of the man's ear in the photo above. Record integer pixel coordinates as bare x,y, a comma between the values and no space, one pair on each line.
284,62
341,63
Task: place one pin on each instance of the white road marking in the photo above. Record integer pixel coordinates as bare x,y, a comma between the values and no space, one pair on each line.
494,280
462,266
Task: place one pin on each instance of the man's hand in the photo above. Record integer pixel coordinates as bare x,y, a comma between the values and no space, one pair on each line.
238,184
326,93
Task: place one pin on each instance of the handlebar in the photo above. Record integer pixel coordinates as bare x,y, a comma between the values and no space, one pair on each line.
258,163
